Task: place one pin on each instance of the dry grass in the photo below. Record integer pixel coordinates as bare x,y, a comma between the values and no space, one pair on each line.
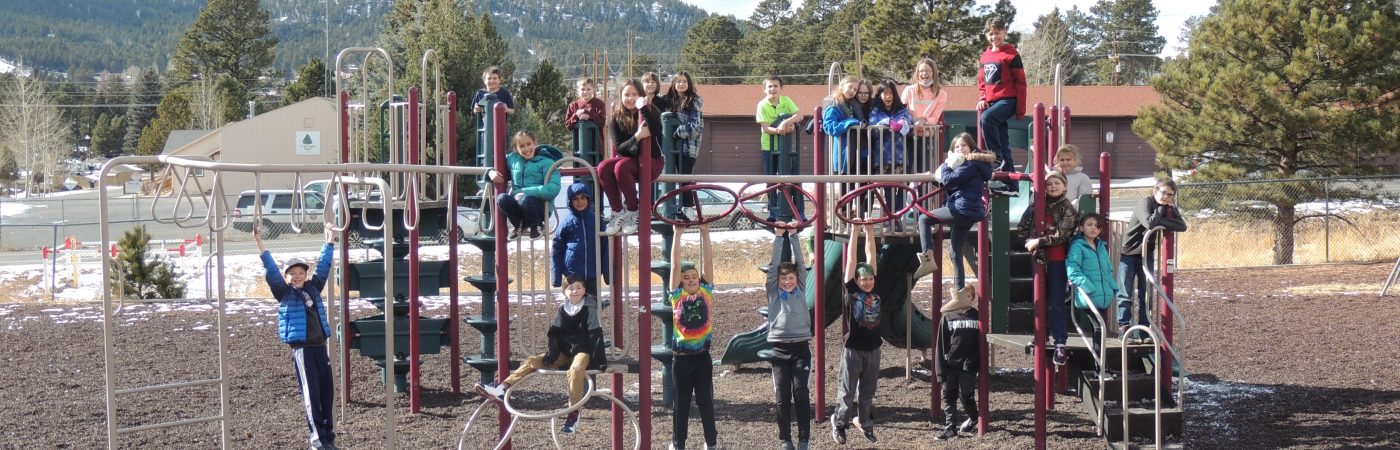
1223,243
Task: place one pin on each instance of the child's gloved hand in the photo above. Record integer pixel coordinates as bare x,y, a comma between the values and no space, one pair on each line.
897,127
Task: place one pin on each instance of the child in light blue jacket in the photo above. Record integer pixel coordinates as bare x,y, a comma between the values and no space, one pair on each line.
1091,271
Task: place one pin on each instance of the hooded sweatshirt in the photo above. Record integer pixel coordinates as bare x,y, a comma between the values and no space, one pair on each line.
1148,215
957,342
575,240
1077,183
1002,76
580,332
788,316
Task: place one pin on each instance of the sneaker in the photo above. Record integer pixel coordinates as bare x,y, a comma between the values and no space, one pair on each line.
838,434
571,423
949,432
802,445
1004,189
629,225
535,232
712,447
787,445
615,223
870,435
514,233
927,264
969,425
1061,355
690,213
491,391
673,446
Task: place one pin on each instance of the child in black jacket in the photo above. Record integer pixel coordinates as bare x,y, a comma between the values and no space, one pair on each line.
575,340
957,363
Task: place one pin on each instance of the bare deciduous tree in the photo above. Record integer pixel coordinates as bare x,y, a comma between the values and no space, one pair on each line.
33,132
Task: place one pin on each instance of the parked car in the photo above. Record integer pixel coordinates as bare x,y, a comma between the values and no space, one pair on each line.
713,203
279,211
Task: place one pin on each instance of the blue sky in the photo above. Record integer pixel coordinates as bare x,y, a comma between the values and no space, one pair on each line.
1170,14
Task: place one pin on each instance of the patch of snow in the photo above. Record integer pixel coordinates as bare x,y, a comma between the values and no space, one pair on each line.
1211,400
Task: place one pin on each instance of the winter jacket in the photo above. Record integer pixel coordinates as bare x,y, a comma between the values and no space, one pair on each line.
1061,219
527,175
1147,214
1002,76
1090,269
965,183
892,142
1077,183
957,347
579,333
837,120
291,313
575,240
790,319
624,140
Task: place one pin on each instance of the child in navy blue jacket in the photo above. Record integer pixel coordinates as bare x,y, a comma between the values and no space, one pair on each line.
576,250
302,324
964,177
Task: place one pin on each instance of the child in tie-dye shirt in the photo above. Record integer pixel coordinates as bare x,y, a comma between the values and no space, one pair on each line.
691,297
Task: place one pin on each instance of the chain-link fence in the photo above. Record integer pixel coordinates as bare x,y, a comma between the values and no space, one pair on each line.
1274,222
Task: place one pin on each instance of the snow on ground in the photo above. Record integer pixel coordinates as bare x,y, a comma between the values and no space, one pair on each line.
1209,401
8,209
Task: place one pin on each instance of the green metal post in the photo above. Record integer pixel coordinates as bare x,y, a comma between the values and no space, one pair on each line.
1001,264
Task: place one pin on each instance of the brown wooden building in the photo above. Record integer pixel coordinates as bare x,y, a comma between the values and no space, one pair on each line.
732,134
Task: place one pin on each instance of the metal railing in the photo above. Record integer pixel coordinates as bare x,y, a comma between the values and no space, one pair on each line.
1096,351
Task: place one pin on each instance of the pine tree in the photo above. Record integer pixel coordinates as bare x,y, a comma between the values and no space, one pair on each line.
1256,100
889,34
546,91
229,37
1126,31
838,39
139,273
709,50
234,98
900,32
147,91
770,13
107,135
172,114
311,82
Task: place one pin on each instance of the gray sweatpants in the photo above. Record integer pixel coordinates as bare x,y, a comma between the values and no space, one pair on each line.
859,372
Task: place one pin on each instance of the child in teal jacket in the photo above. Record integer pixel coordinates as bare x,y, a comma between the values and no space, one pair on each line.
531,192
1090,270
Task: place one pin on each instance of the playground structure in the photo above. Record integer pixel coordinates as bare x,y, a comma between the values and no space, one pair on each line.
838,190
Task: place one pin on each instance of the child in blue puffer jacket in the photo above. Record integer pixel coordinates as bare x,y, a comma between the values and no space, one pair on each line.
1090,270
964,177
576,251
301,323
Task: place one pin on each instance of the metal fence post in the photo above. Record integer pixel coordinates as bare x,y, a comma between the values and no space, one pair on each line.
53,263
1327,219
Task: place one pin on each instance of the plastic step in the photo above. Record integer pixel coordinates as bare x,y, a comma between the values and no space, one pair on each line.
1022,290
1141,423
661,352
1140,386
1022,264
482,324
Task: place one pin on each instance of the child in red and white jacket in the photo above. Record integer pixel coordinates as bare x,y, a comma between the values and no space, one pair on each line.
1001,83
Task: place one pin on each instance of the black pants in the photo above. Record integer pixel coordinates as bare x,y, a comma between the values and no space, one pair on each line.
694,375
792,363
313,370
958,385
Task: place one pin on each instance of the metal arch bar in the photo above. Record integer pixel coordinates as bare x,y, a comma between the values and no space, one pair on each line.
884,203
702,219
1156,387
410,212
1096,354
220,204
298,214
742,197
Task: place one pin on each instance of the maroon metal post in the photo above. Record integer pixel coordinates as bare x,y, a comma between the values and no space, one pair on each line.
1105,184
644,288
818,260
984,318
936,314
1064,124
619,335
1042,378
498,150
1168,259
414,270
452,290
344,252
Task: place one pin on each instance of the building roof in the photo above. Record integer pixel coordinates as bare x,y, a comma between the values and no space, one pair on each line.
181,138
1084,101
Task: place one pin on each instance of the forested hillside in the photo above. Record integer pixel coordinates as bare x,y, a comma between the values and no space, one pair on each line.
113,35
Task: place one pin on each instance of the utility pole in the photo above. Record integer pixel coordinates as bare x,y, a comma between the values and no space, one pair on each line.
860,67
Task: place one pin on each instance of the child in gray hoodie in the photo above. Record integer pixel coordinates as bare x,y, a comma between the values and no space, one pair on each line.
789,331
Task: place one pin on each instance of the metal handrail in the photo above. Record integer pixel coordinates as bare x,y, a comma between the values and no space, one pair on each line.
1097,354
1156,387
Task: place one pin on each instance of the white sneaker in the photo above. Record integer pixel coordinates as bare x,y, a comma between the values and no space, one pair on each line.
614,223
630,224
690,213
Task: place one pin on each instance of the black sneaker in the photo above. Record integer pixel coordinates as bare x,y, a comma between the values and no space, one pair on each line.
968,426
870,435
787,445
535,232
949,432
514,234
838,434
571,423
1004,189
1061,355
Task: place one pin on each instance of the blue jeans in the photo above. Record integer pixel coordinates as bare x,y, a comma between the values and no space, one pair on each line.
1056,285
531,210
770,167
1131,280
962,227
994,131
